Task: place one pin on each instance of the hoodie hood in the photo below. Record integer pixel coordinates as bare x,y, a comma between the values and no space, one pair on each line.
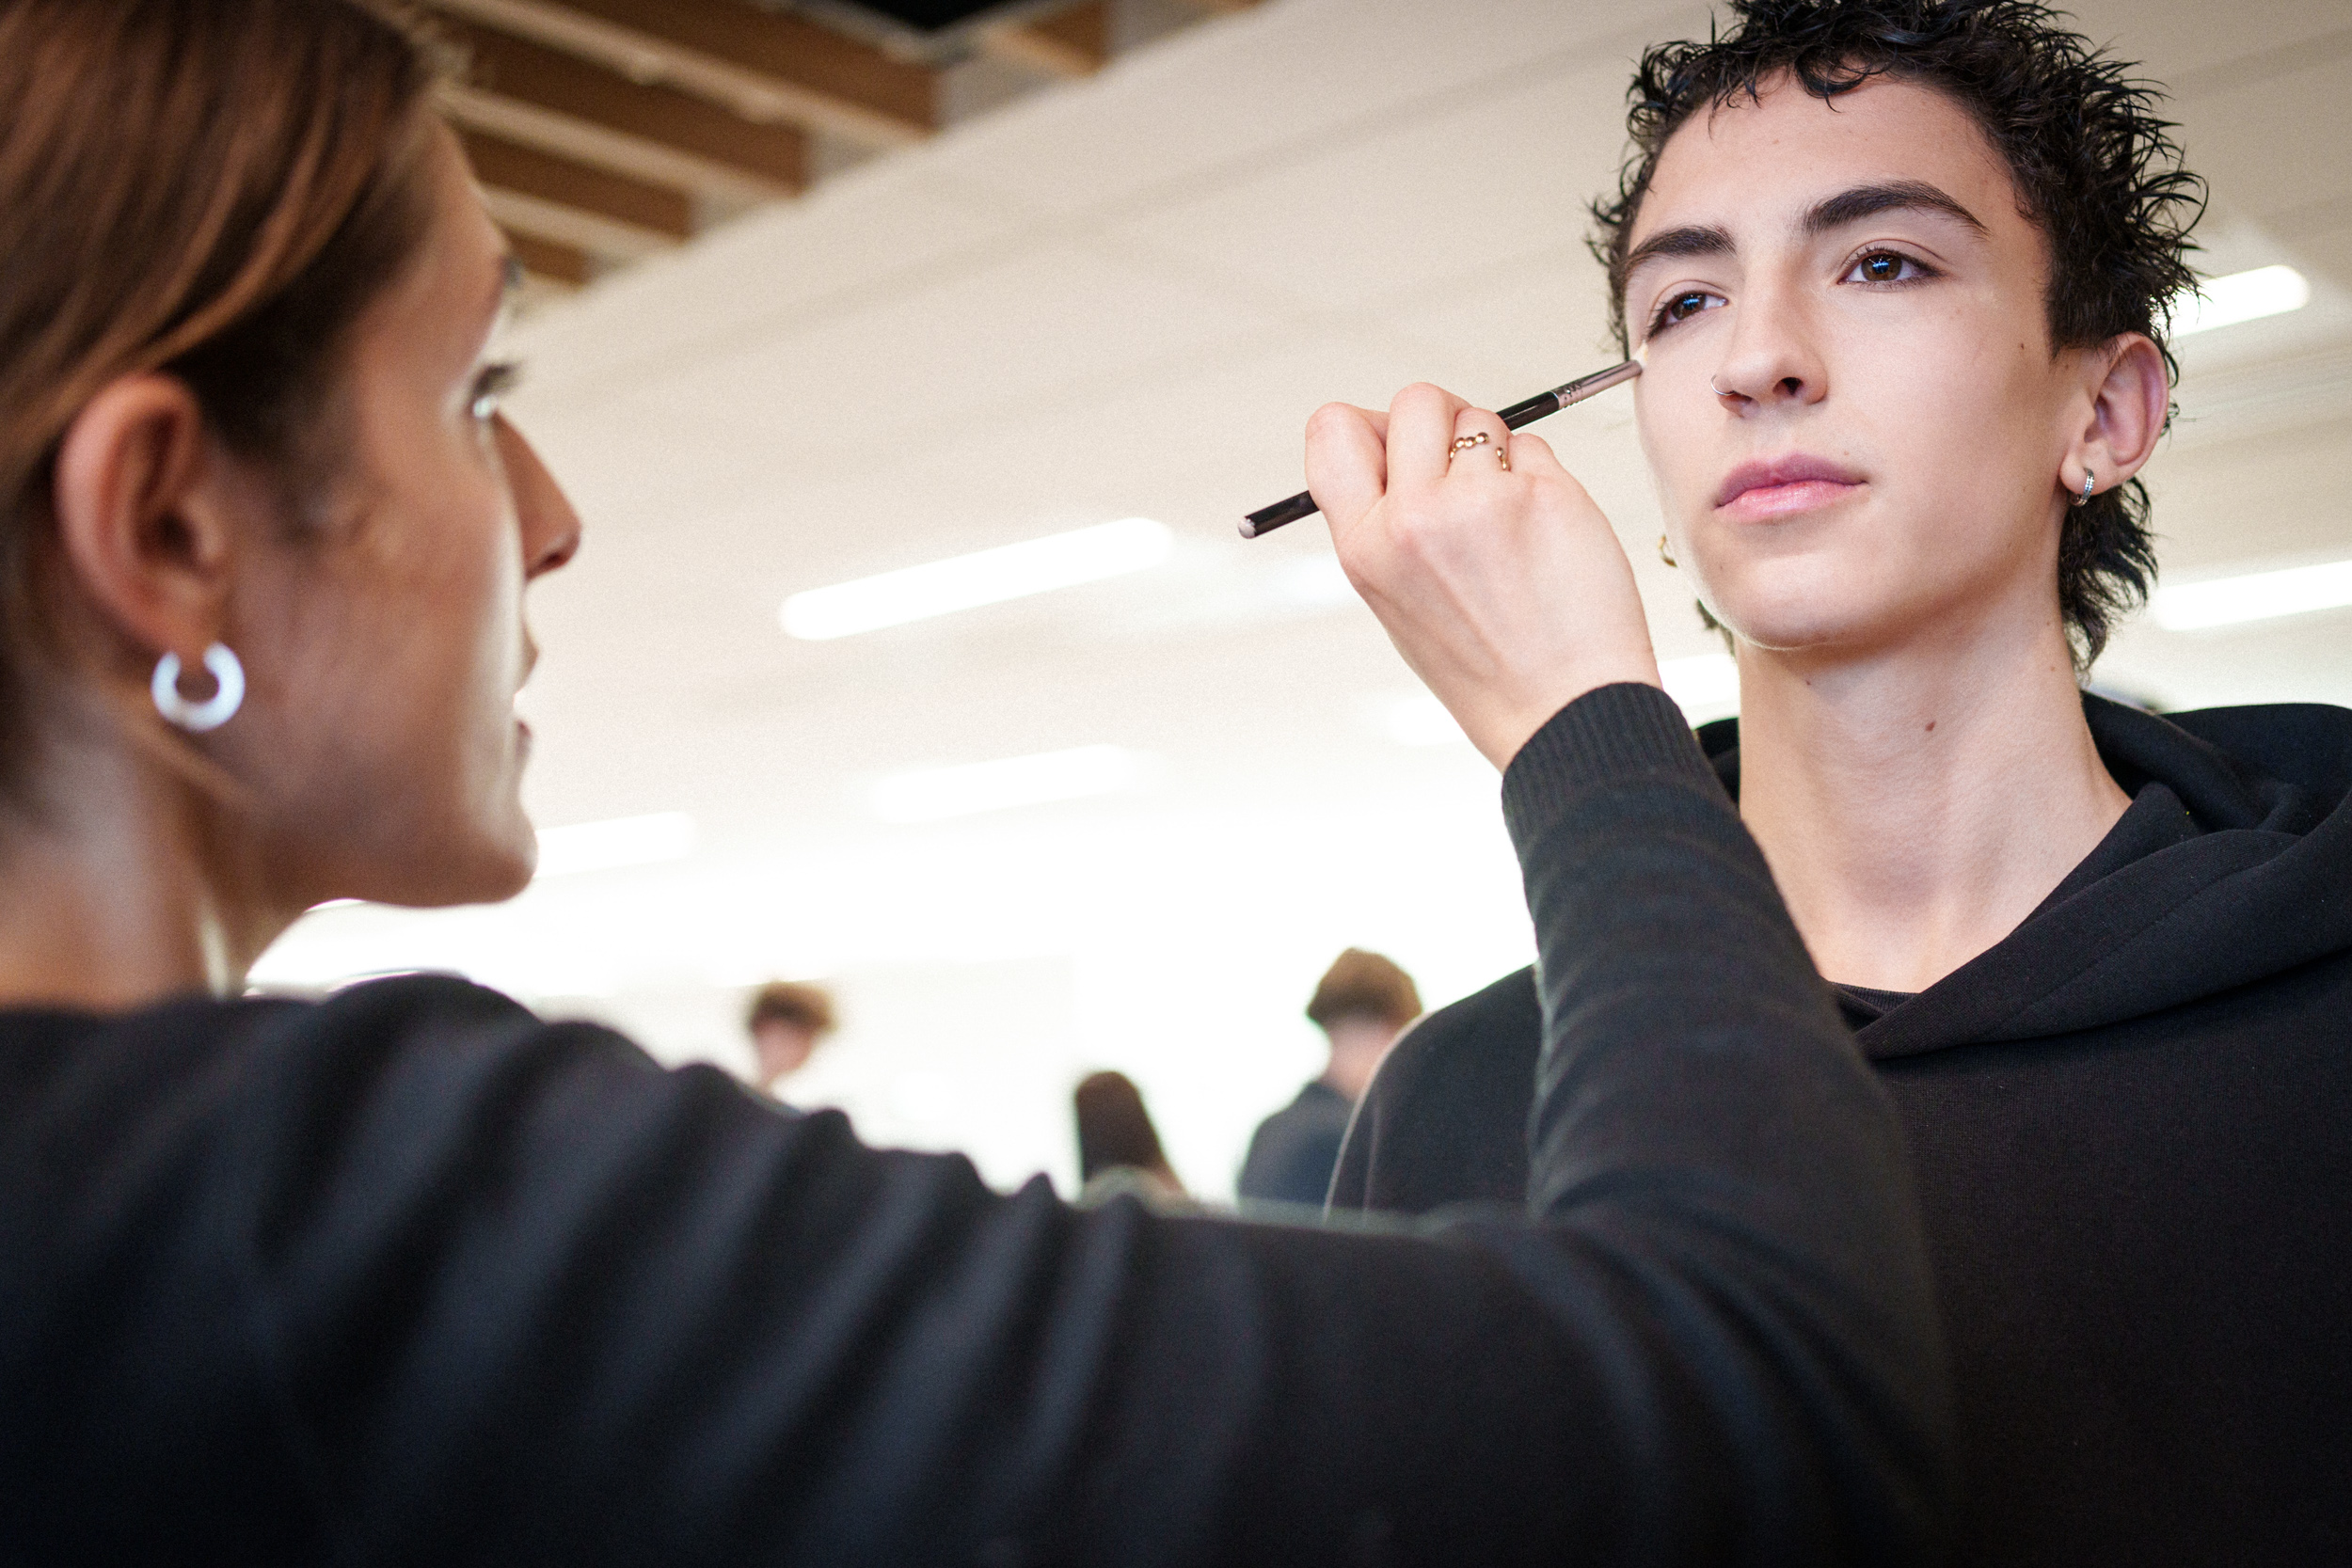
2232,865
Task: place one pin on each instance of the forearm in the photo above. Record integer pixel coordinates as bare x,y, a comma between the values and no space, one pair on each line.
1703,1115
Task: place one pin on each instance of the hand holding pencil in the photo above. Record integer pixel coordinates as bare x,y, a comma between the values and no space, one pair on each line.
1493,572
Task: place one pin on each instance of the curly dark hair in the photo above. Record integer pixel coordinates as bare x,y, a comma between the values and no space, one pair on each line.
2094,166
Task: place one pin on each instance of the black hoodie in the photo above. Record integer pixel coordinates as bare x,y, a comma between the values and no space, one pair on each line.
2132,1124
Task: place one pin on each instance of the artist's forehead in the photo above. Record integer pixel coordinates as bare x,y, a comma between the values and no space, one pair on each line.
1762,162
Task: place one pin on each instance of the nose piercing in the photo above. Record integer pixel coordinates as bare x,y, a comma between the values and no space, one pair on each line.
1717,390
2091,479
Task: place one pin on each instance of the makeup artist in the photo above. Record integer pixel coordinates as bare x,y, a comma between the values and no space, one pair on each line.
409,1275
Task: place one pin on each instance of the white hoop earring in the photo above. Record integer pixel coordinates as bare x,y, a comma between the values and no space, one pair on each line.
2090,479
215,711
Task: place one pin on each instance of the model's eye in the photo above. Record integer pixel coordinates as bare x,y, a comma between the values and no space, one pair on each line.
1681,307
1885,266
491,386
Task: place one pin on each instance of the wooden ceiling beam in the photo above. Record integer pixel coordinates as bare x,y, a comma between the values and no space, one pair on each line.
550,259
505,166
1071,43
766,68
607,240
541,97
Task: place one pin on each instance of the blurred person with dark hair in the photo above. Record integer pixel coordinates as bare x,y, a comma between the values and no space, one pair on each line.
786,1020
1118,1148
1362,1003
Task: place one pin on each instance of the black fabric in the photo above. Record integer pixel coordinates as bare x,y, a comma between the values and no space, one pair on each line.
1293,1150
409,1275
2130,1124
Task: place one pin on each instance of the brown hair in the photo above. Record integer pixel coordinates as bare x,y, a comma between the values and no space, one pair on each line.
803,1007
1363,985
212,188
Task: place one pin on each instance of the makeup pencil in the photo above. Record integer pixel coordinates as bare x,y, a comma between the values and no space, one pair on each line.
1267,519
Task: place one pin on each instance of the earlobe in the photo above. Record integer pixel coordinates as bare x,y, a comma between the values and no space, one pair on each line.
143,542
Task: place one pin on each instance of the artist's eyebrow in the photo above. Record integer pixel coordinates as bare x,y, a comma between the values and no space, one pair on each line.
1894,196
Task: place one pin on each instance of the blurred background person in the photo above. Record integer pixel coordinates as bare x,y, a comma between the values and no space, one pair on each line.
786,1020
1118,1148
1362,1004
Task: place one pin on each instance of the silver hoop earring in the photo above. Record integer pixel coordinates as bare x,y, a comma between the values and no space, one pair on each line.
215,711
2090,480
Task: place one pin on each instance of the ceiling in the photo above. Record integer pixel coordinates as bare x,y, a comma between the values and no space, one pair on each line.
1121,296
608,131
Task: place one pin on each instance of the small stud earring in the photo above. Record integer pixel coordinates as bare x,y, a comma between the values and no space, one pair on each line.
1664,557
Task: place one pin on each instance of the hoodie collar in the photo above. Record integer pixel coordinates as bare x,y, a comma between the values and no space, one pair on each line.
2232,864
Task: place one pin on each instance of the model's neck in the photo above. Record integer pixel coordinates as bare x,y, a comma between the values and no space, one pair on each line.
116,895
1917,804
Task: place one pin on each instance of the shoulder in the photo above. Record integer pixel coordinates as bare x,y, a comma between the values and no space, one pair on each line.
1445,1119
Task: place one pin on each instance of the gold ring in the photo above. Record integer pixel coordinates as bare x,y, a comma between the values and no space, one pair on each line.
1464,443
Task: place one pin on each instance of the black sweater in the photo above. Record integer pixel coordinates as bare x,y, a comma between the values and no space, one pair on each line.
2132,1126
409,1275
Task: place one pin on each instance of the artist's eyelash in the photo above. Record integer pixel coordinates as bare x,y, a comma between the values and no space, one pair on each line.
494,383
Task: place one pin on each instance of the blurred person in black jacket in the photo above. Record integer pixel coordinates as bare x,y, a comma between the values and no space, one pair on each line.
1362,1004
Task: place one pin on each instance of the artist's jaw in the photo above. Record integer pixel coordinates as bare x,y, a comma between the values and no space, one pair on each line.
1878,461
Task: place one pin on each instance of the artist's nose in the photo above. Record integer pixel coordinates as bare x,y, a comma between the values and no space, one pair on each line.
1770,360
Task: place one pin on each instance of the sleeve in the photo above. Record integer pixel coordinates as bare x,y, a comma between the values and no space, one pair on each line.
526,1297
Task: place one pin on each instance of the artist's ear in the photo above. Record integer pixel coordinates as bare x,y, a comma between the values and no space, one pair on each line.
146,528
2129,398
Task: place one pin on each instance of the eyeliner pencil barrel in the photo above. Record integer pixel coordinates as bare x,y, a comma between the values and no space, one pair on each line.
1267,519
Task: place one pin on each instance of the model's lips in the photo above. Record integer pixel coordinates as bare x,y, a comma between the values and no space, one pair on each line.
1786,485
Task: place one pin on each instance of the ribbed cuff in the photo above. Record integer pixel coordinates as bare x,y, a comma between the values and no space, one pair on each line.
1611,734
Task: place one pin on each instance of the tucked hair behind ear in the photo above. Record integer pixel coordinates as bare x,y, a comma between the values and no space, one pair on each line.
212,188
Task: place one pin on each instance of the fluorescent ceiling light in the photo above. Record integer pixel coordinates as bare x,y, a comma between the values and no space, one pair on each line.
665,835
2241,296
933,794
2253,596
985,577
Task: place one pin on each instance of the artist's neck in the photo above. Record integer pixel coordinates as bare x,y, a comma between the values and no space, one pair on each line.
115,896
1918,802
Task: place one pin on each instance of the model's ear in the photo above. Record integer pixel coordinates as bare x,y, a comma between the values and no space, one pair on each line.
146,535
2128,405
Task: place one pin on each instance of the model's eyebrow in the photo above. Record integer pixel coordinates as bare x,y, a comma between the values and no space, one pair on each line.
1895,195
1689,240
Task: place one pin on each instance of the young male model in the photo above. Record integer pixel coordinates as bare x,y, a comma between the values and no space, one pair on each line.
1900,267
